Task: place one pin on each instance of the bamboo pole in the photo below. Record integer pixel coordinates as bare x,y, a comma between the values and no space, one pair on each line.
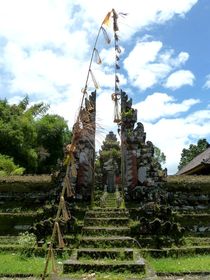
50,248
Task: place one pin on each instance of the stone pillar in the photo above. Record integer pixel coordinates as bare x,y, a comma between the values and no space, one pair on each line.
85,149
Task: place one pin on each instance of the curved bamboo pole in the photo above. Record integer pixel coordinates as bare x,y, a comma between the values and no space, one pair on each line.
50,248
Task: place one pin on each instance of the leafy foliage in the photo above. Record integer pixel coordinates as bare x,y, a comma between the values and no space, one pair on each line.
110,150
188,154
7,166
27,132
52,132
159,155
27,241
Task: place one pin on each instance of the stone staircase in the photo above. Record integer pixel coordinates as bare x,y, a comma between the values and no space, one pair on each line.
105,244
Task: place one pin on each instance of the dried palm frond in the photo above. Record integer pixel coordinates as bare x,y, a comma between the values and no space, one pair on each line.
106,20
59,236
65,214
97,56
69,188
84,90
94,79
117,66
117,79
116,37
106,36
118,49
123,14
52,256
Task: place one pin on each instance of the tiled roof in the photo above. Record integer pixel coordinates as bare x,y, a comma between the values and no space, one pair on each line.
199,161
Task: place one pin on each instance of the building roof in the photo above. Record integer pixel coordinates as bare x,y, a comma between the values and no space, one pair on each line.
200,164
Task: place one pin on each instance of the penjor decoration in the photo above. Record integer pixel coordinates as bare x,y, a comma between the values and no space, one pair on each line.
82,127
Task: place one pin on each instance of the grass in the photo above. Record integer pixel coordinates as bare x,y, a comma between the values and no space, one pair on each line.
198,263
15,264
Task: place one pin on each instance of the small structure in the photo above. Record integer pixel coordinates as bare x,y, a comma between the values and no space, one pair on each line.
200,165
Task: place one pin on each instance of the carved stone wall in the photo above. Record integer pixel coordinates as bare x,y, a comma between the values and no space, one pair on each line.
85,149
141,168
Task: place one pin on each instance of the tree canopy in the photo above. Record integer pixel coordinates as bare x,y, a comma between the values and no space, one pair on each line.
33,138
159,155
194,149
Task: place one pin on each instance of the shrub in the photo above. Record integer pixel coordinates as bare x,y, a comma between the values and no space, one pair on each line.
27,241
8,167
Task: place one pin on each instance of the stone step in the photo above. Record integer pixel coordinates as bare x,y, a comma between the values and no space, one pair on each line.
97,231
108,242
197,241
111,253
110,204
8,239
72,265
99,209
106,221
107,213
110,198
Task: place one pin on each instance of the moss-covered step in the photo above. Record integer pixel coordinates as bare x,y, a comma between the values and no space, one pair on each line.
72,265
8,239
108,253
197,241
108,242
176,252
188,183
106,221
193,219
110,211
120,213
106,231
13,223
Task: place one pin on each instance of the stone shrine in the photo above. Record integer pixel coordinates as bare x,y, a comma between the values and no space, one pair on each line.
85,148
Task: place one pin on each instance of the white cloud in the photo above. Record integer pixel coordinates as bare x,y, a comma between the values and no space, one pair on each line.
160,105
148,64
47,46
207,83
172,135
35,23
167,58
140,13
167,129
180,78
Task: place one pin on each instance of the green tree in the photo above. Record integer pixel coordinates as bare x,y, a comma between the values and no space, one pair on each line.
110,150
52,134
18,132
188,154
7,167
159,155
28,134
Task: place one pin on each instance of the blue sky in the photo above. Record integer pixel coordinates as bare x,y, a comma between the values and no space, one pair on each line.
45,48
